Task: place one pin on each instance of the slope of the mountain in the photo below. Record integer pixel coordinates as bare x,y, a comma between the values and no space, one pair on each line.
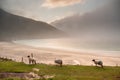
13,27
104,22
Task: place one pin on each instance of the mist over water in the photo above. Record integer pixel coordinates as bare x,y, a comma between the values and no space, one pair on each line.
70,44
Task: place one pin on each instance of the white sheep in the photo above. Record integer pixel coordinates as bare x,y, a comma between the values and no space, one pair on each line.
98,62
31,60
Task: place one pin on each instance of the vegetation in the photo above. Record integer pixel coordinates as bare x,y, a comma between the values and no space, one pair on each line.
67,72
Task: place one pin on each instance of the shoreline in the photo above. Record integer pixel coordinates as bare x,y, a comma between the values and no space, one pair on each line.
47,56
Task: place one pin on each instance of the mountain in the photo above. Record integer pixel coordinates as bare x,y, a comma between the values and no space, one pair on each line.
101,23
13,27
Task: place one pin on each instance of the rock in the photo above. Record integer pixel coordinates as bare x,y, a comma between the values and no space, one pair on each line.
36,70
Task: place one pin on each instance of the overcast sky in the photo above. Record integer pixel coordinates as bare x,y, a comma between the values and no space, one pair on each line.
50,10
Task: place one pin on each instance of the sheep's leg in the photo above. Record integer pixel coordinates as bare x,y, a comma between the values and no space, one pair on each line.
29,61
96,64
102,66
34,61
60,65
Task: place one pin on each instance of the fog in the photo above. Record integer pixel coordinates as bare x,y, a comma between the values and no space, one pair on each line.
77,45
101,24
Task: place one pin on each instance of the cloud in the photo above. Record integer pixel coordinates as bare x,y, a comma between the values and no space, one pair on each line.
60,3
107,14
103,22
68,14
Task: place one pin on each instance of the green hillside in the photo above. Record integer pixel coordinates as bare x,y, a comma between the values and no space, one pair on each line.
67,72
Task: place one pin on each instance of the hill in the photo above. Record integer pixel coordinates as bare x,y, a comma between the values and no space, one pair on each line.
13,27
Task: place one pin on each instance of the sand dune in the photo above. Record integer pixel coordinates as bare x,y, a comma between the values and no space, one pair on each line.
47,56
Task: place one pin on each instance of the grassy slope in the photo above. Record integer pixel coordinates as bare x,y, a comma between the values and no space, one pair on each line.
67,72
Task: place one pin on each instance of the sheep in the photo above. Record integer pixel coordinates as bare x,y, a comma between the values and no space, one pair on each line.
59,61
31,60
98,62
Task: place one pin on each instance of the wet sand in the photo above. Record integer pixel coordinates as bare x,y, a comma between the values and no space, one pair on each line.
47,56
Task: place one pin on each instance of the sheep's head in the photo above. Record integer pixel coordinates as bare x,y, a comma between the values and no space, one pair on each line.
93,60
28,56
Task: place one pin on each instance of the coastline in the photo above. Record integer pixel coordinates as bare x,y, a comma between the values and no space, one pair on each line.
47,56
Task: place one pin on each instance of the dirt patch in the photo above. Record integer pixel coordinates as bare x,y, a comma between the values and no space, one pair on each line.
26,76
118,77
18,75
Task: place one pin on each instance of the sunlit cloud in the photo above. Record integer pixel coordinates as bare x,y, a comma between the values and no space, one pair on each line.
60,3
68,14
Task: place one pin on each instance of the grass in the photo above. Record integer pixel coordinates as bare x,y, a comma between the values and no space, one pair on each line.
67,72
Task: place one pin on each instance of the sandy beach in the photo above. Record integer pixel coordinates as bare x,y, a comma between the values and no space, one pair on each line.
47,56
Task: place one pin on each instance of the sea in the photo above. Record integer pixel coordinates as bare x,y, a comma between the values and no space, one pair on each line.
69,44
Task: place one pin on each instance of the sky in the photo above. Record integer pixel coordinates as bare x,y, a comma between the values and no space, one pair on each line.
90,12
50,10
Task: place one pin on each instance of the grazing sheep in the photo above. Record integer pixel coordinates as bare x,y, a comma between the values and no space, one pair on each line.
98,62
31,60
59,61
